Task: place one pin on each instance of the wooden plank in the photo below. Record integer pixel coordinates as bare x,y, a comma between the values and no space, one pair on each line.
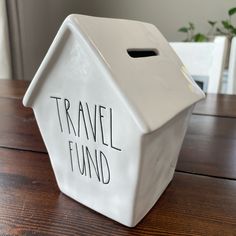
209,147
18,126
31,204
217,105
13,88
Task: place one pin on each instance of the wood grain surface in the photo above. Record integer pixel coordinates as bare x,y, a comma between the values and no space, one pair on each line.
201,199
217,105
31,204
209,147
13,88
18,127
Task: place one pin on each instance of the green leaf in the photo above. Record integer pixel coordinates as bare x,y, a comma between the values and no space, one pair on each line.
226,24
183,29
212,23
232,11
233,31
218,30
191,26
200,38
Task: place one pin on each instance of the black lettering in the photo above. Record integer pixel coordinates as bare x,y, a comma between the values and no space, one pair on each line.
111,133
68,118
71,161
93,125
90,160
101,124
58,111
103,157
81,110
83,169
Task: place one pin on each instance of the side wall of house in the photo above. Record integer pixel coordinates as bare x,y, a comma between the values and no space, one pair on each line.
160,151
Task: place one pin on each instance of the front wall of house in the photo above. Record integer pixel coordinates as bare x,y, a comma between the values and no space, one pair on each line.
92,140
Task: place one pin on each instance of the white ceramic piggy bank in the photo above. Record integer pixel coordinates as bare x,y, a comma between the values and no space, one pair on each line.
112,102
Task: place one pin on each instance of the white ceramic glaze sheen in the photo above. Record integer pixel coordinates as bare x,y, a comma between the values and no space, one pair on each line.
113,125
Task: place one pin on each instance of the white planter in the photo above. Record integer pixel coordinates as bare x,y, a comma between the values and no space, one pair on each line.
113,124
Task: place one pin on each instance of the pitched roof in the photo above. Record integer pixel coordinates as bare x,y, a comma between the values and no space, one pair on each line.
156,87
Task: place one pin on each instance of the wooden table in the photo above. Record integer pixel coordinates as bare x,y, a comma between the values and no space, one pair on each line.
201,199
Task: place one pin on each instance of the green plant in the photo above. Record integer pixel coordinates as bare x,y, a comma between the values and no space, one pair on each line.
191,36
226,28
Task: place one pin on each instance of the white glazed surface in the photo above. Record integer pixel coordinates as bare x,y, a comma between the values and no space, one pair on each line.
78,81
115,199
157,78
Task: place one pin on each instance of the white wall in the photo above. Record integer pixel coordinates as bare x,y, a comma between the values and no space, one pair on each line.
39,20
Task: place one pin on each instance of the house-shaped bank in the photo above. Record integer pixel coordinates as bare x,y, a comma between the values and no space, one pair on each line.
112,102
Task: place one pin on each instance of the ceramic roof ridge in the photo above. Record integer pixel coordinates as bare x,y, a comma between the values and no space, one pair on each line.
140,95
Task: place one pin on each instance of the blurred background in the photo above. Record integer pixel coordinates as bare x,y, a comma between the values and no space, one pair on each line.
27,27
